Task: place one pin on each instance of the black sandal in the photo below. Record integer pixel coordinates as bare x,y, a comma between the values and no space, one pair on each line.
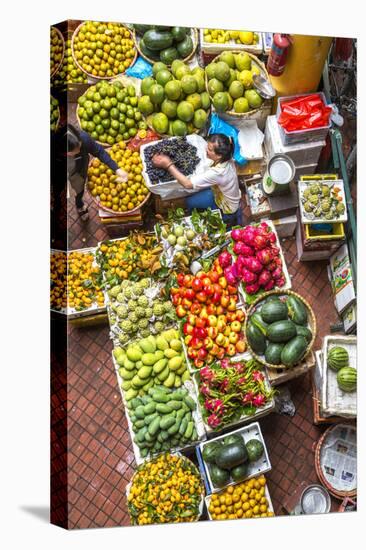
83,213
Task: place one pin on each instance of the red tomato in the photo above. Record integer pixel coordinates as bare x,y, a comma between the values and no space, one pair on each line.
200,323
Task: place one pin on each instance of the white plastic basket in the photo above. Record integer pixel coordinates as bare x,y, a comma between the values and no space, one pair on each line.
266,494
260,466
215,48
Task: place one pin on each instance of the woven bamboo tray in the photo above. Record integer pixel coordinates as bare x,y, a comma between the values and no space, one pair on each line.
194,36
319,471
261,66
58,67
118,212
312,324
92,76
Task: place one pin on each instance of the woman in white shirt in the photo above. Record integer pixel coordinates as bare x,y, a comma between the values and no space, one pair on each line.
218,186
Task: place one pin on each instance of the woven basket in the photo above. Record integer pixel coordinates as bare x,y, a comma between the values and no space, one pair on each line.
263,72
118,212
58,67
312,323
92,76
319,471
194,36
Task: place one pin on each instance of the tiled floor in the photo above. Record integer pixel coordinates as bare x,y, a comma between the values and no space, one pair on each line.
100,460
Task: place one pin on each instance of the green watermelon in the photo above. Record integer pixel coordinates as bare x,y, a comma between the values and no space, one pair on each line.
255,449
337,358
347,379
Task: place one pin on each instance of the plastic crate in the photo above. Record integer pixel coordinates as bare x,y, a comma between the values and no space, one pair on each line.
216,48
313,234
312,134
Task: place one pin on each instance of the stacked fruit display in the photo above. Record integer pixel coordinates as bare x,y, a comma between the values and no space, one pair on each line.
103,50
109,113
164,43
55,113
230,391
150,362
175,100
220,36
187,239
258,262
83,281
69,72
137,310
230,83
229,458
338,361
278,329
163,420
58,274
56,49
123,196
133,257
167,489
245,500
213,324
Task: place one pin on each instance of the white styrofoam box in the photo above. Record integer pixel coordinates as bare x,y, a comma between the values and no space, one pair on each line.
231,45
308,255
285,227
266,494
260,466
303,153
334,400
172,189
306,218
305,170
311,134
259,115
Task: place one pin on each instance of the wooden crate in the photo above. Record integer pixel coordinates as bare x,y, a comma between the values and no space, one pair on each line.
90,320
280,376
162,207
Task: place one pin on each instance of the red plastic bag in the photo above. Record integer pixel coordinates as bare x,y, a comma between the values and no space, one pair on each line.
137,141
303,113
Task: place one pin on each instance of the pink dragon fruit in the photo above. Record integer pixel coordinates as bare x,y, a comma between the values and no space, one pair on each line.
264,228
207,374
205,389
225,259
250,263
242,380
231,274
269,285
248,397
248,234
259,242
271,237
218,406
243,249
213,420
264,256
257,376
264,278
277,273
275,251
281,282
272,265
248,276
259,401
252,289
236,234
225,363
224,385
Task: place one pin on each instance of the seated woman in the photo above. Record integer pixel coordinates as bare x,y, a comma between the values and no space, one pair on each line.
218,186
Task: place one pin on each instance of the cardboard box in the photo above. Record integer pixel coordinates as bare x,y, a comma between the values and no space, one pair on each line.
340,275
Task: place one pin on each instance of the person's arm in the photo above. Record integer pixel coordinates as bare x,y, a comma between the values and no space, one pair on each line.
163,161
93,148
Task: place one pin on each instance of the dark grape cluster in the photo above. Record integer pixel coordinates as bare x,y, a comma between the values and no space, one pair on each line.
179,150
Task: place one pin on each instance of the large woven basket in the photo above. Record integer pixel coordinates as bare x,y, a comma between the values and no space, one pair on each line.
58,67
118,212
194,36
264,73
92,76
312,323
319,471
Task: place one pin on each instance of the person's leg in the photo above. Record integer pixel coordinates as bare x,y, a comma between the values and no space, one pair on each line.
201,200
81,207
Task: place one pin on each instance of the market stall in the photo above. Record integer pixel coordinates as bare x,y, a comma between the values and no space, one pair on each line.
204,319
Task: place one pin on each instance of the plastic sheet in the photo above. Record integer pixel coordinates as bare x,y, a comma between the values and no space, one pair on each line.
140,69
219,126
304,113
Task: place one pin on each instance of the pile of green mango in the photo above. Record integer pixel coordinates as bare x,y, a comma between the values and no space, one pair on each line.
162,420
152,361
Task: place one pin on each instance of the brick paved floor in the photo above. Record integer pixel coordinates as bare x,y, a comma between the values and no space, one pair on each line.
100,459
